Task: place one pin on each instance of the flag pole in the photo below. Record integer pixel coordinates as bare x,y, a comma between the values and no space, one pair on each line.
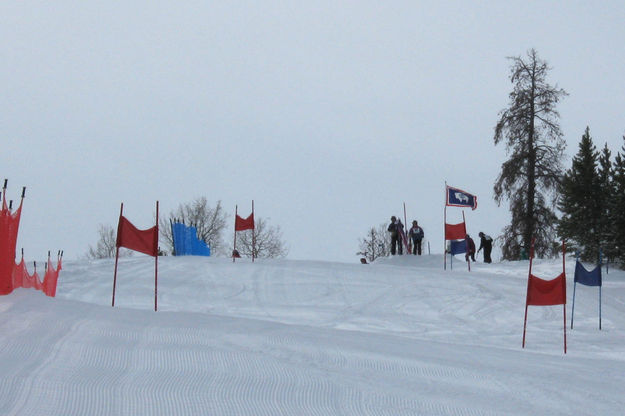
600,262
409,239
466,243
121,210
236,213
4,194
574,287
156,265
564,304
528,289
444,236
253,234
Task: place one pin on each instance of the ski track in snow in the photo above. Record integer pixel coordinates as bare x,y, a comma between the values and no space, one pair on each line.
398,337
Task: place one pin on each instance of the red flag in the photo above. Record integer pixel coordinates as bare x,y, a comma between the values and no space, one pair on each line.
143,241
546,292
455,231
241,224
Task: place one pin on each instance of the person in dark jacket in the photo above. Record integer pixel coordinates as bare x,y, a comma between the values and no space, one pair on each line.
396,243
416,234
470,248
486,243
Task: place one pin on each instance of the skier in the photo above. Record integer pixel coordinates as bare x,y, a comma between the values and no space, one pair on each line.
416,234
470,248
394,229
486,242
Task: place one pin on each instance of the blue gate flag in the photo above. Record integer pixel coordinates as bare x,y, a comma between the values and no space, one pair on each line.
459,198
458,246
583,276
186,242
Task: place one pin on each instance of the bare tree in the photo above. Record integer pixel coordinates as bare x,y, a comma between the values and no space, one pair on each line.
107,245
268,244
529,178
209,222
376,244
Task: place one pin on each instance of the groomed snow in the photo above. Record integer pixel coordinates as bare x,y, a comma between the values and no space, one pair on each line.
278,337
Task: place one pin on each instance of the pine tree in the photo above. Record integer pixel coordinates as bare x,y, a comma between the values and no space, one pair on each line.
617,219
529,178
580,201
605,197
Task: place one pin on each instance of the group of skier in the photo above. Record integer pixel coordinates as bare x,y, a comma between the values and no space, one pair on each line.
486,243
399,239
415,234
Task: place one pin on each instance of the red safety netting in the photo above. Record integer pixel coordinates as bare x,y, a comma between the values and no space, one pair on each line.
21,277
16,275
9,226
51,277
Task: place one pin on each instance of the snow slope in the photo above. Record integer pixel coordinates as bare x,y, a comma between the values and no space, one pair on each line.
278,337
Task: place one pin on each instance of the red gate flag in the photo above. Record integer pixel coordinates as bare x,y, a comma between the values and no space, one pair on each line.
455,231
241,224
546,292
143,241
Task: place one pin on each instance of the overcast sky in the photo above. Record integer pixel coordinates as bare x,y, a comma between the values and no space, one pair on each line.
329,114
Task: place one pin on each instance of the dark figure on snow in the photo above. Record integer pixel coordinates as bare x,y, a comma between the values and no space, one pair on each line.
486,243
416,234
470,248
394,229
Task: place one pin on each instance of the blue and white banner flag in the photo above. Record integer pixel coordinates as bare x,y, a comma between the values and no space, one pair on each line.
459,198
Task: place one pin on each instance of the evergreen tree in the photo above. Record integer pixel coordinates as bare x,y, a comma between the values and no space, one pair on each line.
530,177
617,219
580,201
605,197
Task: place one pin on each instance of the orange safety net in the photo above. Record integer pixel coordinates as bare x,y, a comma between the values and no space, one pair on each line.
16,275
9,225
21,277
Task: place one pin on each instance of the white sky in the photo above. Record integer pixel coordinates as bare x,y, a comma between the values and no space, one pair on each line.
329,115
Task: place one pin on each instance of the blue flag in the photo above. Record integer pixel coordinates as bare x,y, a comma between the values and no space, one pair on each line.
459,198
458,246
